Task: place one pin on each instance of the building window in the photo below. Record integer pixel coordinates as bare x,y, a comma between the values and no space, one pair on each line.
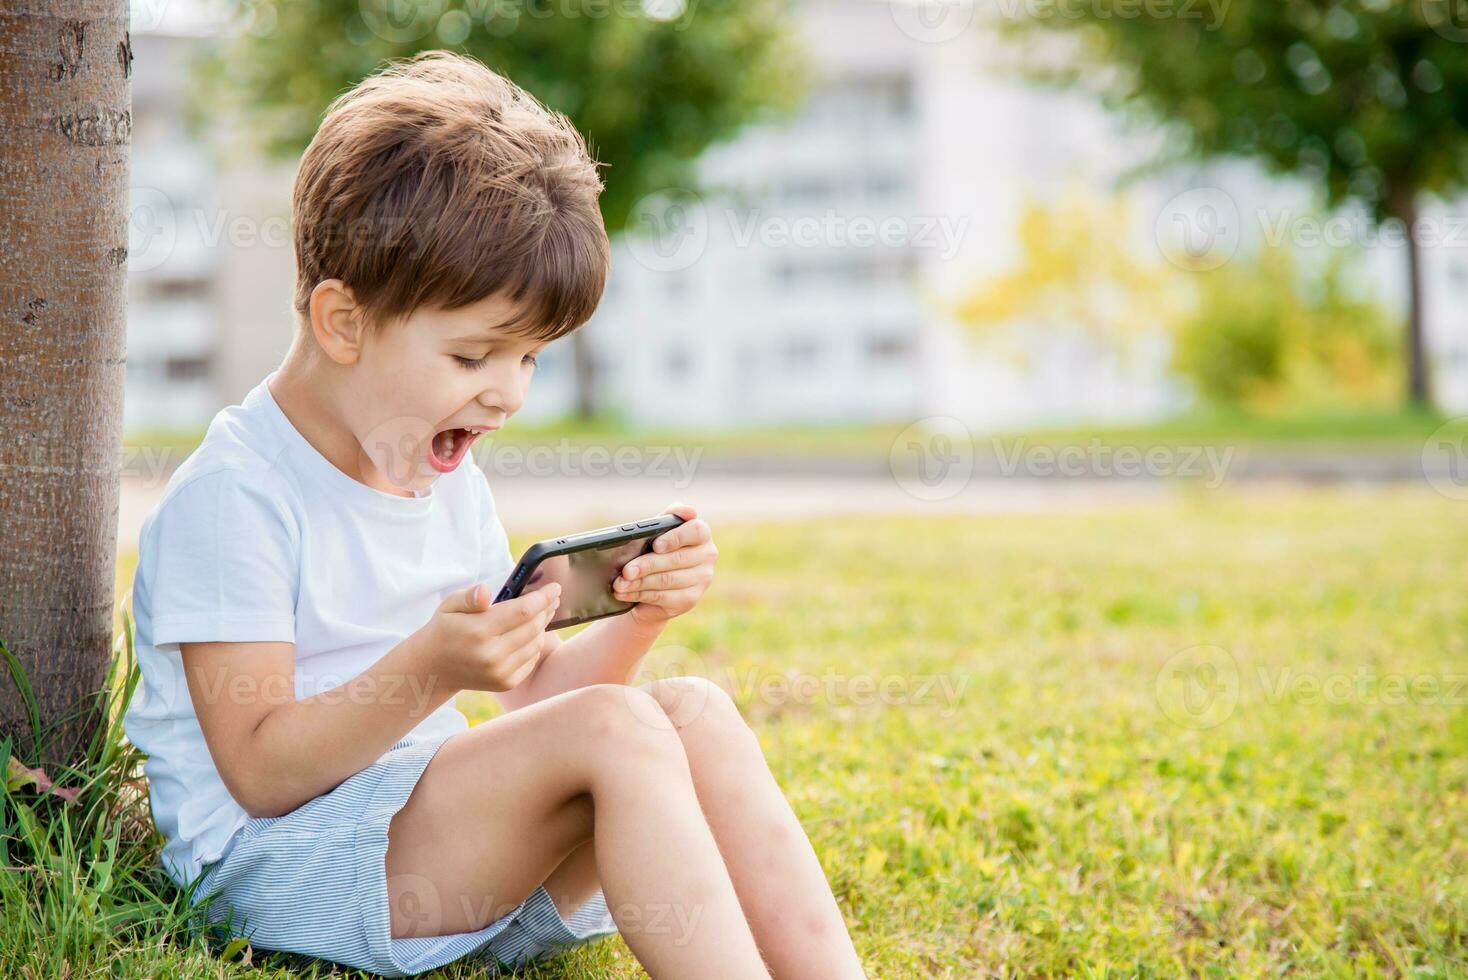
887,348
193,368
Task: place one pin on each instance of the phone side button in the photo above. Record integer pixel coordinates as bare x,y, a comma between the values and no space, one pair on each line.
644,524
630,527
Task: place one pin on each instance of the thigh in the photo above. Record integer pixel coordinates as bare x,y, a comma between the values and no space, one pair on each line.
496,811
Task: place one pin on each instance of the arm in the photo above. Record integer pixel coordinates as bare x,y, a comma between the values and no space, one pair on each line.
275,753
664,584
255,728
606,652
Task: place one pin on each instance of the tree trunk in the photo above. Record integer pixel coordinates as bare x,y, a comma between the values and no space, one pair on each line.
65,127
1403,205
584,365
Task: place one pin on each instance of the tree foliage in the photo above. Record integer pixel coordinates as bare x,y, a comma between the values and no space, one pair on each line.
1367,98
649,92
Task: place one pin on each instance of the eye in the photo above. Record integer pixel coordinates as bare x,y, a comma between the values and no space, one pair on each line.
470,363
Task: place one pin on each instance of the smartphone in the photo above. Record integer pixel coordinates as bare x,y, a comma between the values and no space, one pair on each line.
585,564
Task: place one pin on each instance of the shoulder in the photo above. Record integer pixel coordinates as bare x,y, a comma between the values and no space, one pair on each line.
232,477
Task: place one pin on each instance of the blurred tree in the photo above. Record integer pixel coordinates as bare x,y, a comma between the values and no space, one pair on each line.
1074,270
1369,98
65,129
650,83
1267,334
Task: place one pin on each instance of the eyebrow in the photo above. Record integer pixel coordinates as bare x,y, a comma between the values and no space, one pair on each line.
492,335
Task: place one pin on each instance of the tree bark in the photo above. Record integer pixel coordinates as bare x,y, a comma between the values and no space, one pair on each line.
65,129
1403,206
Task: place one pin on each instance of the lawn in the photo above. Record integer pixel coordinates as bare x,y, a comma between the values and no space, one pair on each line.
1226,734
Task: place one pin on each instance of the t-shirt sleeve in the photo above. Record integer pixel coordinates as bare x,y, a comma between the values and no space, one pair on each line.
226,564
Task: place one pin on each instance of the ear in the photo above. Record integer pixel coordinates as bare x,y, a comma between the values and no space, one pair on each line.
336,321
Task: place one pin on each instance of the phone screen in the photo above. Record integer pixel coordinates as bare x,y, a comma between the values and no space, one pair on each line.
586,580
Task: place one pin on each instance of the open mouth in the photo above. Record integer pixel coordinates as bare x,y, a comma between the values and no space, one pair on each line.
448,447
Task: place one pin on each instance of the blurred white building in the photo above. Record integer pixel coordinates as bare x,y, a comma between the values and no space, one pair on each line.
805,282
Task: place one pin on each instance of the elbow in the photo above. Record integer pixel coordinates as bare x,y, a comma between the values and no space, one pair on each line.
251,795
258,789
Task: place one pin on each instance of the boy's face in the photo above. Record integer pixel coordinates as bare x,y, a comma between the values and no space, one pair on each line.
424,390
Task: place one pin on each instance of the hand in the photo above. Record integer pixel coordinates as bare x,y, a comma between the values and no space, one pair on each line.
672,579
476,645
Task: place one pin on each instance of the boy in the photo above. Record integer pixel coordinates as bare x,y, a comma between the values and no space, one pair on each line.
315,587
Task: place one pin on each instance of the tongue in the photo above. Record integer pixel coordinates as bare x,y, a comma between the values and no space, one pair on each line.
443,444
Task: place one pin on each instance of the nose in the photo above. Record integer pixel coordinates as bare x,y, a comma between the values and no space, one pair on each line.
504,390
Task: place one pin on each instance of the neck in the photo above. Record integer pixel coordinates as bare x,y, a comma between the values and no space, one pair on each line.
305,386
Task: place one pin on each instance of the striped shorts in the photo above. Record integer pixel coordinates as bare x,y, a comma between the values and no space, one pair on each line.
314,882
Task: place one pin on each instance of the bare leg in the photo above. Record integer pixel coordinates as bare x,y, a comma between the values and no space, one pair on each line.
501,806
781,887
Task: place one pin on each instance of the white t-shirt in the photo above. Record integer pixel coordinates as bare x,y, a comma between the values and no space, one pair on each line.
258,538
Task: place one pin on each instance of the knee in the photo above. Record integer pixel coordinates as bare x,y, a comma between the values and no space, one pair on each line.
699,708
624,724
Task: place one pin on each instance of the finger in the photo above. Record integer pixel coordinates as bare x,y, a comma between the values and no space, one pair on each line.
681,509
644,565
694,532
471,600
520,664
654,597
528,632
678,578
524,607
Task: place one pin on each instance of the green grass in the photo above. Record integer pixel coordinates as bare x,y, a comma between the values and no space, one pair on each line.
1061,809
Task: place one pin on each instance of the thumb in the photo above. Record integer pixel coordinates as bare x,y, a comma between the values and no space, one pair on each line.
471,600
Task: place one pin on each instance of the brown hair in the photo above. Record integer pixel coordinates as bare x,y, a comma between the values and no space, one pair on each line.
437,182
